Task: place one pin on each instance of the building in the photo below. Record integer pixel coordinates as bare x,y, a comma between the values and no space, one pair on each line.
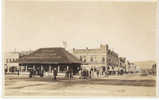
154,69
47,59
98,57
94,57
122,64
131,67
24,53
113,60
11,61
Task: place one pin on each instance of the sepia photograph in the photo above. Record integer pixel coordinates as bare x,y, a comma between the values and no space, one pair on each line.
98,48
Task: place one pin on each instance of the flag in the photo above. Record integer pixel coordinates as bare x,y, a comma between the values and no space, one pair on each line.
64,44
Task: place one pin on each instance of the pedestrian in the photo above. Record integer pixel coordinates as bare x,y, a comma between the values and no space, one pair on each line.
97,73
90,73
31,73
55,73
71,74
41,73
18,73
80,71
67,74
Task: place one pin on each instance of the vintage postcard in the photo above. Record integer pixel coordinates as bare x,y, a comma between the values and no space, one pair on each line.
98,48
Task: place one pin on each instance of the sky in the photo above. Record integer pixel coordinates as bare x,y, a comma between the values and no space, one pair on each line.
129,28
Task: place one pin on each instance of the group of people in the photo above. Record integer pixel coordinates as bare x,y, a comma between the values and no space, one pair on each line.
33,72
83,73
98,73
69,74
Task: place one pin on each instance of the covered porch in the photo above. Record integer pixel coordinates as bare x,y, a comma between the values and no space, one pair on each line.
45,60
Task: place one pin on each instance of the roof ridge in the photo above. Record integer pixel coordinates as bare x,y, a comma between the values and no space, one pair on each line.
50,55
52,48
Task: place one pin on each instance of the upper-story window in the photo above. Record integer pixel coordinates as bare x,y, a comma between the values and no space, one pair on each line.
85,60
10,60
80,58
91,59
6,60
14,60
103,59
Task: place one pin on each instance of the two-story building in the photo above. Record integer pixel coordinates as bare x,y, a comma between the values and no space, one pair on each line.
11,61
98,57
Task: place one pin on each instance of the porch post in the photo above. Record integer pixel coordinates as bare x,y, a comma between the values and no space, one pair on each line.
41,68
26,68
49,68
58,68
33,67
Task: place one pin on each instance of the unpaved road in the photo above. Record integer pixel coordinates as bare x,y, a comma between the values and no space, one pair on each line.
112,86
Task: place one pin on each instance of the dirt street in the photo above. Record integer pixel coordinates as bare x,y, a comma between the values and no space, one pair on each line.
111,86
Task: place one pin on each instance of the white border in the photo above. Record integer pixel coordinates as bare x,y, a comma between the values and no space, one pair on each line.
96,98
157,49
88,0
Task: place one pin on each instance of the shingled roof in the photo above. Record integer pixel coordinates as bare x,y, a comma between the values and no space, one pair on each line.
49,56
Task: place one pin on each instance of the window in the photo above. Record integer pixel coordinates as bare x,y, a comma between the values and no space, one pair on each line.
103,59
10,60
6,60
91,59
80,58
85,60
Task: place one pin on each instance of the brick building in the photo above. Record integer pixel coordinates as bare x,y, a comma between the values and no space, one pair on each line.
98,57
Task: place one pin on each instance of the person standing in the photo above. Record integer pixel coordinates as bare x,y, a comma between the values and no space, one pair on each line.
71,73
97,73
80,71
42,73
90,74
31,73
18,72
67,74
55,73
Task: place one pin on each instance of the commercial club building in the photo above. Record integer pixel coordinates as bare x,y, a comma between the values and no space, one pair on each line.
49,58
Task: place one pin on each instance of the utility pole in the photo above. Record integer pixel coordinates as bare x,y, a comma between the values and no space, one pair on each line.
106,56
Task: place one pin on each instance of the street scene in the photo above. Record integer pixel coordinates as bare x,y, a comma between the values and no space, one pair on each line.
79,49
60,73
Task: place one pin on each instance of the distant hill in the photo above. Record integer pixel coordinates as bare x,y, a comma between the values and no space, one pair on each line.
145,64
